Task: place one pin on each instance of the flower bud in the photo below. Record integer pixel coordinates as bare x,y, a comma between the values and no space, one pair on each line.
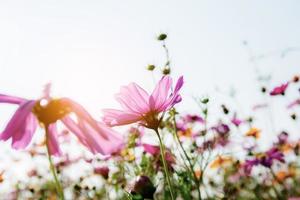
166,70
162,37
144,187
150,67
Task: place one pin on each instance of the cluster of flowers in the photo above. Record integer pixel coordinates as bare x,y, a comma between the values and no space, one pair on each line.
163,155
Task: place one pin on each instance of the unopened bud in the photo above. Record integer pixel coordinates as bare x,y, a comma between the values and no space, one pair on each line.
162,37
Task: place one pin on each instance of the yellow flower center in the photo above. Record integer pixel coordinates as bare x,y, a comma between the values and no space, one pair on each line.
50,111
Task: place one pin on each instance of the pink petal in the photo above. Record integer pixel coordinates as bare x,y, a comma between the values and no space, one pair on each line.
160,93
151,149
174,98
52,141
279,90
133,98
114,117
74,128
22,138
105,142
82,113
21,126
11,99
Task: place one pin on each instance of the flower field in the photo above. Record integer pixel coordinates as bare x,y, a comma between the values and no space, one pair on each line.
148,149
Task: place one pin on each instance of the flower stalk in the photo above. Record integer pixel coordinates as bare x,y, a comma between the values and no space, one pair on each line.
197,182
58,186
162,152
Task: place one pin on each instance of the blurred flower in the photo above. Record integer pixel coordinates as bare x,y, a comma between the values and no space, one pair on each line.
221,161
249,164
144,187
128,154
253,132
221,129
270,156
193,118
186,133
280,90
47,111
198,173
265,159
103,171
294,103
283,137
236,121
151,149
139,106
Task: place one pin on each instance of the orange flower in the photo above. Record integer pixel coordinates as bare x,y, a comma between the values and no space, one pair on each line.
221,161
286,148
282,175
253,132
198,173
185,133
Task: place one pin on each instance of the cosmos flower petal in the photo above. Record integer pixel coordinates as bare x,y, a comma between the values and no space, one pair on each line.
11,99
279,90
133,98
23,136
104,146
174,97
151,149
74,128
52,141
114,117
160,93
83,114
136,108
17,122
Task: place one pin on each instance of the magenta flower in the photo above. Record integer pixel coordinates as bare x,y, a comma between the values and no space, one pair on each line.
151,149
139,106
97,137
193,118
236,121
266,160
280,90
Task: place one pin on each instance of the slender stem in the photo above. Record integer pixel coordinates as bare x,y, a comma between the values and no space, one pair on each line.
162,152
197,182
58,186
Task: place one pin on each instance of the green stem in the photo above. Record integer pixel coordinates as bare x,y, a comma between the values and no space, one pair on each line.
197,182
58,186
162,152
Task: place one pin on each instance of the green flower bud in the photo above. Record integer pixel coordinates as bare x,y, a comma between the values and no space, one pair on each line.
162,37
150,67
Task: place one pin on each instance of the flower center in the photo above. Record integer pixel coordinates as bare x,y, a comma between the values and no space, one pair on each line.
50,111
152,120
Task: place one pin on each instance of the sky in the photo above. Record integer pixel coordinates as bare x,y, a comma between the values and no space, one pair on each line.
88,49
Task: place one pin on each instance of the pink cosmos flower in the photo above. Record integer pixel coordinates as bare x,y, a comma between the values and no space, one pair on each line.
139,106
151,149
279,90
96,136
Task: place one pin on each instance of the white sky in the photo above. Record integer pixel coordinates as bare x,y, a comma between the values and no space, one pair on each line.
88,49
